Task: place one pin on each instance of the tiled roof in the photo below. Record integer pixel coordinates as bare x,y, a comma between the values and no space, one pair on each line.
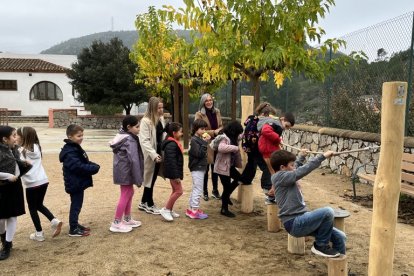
29,65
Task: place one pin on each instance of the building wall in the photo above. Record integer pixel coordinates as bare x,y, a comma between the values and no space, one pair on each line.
20,99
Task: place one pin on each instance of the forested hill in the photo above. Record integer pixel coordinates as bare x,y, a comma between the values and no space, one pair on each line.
73,46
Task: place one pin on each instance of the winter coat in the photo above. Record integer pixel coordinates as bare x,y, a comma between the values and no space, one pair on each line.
202,116
269,141
8,159
197,155
173,160
224,158
128,165
77,169
148,141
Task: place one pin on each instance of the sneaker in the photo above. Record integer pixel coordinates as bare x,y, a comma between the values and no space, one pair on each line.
324,251
84,228
120,228
132,223
205,197
153,210
77,232
56,226
191,214
166,214
201,214
143,207
37,236
174,214
227,213
270,200
215,194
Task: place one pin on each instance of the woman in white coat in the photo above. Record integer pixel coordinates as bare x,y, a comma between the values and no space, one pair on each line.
150,137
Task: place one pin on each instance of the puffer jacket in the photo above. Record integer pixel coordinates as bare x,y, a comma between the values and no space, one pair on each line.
269,141
77,169
8,159
197,155
228,155
128,164
173,160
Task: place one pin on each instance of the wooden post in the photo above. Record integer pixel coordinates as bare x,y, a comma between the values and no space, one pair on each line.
247,198
339,220
338,266
273,221
247,109
388,179
234,100
185,116
296,245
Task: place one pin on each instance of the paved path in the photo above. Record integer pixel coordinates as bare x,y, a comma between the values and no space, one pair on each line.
51,139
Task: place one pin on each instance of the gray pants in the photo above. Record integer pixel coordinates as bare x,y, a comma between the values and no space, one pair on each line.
197,191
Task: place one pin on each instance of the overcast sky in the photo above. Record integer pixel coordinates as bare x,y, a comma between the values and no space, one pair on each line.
30,26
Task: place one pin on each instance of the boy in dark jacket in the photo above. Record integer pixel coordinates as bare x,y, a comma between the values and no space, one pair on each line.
77,175
295,216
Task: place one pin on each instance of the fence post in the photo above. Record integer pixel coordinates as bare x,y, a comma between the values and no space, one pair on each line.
329,88
410,80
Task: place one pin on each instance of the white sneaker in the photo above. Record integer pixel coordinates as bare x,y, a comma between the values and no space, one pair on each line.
153,210
132,223
166,214
143,207
56,226
37,237
174,214
120,228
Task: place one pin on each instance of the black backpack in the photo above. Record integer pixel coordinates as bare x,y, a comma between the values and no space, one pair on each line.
250,134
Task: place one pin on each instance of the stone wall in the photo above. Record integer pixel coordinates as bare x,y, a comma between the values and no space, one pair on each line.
61,118
321,139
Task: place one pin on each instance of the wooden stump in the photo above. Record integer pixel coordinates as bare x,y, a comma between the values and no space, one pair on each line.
246,198
338,266
296,245
273,221
339,221
239,194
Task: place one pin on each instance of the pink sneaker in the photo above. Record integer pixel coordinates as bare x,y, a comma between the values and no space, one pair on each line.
201,214
195,214
120,228
132,223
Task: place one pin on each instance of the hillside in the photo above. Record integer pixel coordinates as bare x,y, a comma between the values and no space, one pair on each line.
73,46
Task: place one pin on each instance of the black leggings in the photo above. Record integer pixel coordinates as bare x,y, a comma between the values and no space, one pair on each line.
229,186
147,195
35,197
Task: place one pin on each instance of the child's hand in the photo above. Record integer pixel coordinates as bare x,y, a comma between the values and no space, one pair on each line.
13,178
329,154
304,152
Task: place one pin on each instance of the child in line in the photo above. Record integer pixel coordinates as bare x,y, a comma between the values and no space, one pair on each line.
11,190
36,182
77,175
295,216
197,164
271,129
128,169
173,158
227,160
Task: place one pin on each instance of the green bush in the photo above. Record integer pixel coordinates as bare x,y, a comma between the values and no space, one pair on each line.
100,109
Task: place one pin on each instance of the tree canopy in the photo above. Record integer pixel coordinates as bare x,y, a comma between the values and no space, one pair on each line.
104,74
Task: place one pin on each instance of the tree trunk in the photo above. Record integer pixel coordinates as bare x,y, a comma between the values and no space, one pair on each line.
233,99
128,108
185,116
176,116
256,90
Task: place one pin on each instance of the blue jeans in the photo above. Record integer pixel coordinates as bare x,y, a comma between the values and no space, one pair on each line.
319,224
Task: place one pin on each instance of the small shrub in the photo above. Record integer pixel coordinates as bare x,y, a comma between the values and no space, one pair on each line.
100,109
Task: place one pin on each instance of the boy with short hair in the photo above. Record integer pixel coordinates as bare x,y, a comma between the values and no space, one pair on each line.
77,175
295,216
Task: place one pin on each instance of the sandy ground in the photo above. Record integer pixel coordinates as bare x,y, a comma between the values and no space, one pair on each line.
216,246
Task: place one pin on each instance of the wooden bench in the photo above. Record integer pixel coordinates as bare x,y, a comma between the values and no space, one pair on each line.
407,175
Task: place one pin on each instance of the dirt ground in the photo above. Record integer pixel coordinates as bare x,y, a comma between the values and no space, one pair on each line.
215,246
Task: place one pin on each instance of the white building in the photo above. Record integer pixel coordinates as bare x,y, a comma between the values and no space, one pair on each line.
34,83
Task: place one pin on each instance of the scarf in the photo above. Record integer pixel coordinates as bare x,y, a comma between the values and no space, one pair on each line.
212,118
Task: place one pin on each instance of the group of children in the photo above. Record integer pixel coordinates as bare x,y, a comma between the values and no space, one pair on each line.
20,162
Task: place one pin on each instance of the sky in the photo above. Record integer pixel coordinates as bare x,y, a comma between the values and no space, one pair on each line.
30,26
